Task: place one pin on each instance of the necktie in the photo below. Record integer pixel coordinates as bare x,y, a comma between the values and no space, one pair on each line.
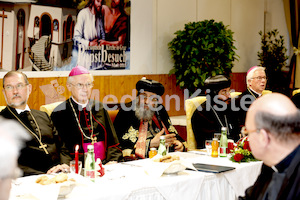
141,143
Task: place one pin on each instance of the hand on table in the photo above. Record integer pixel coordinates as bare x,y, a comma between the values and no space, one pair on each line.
111,162
155,141
170,139
178,145
59,168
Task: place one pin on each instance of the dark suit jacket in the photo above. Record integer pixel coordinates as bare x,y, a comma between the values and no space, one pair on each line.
243,102
34,160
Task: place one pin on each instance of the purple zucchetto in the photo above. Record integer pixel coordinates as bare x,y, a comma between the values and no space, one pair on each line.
78,70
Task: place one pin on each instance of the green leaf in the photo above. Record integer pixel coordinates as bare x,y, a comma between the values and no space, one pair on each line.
201,49
193,69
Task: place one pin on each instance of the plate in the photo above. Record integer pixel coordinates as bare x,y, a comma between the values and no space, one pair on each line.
174,168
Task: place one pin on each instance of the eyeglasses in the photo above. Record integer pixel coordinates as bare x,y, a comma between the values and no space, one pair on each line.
19,86
246,132
225,91
81,86
260,78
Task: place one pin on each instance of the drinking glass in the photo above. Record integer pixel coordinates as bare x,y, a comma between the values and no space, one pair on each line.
72,166
208,147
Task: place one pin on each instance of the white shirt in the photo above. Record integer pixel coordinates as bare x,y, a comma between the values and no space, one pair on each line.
20,110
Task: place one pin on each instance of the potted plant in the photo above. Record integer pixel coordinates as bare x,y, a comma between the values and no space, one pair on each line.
273,57
202,49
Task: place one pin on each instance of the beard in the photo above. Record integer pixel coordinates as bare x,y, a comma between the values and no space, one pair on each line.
14,105
142,113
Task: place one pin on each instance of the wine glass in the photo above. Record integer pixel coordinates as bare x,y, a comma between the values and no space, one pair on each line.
72,166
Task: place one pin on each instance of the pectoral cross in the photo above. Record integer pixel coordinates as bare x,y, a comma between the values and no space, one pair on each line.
43,146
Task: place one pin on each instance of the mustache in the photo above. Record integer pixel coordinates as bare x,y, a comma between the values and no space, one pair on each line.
16,95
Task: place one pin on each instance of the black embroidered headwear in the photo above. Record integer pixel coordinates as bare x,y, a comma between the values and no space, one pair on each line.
150,86
217,83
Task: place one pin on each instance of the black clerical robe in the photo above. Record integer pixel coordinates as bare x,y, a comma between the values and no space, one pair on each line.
32,159
127,127
284,184
243,102
205,123
67,126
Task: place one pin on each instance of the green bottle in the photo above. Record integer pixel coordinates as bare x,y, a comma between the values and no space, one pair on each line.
89,164
162,150
223,142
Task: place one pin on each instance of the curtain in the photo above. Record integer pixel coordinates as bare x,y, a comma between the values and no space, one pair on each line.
291,8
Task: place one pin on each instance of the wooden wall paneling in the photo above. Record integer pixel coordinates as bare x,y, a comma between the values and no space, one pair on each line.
123,85
180,92
118,86
238,81
2,99
103,85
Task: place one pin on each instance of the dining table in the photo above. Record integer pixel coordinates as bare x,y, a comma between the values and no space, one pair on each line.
145,179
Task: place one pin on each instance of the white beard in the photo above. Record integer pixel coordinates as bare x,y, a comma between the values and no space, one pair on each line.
143,114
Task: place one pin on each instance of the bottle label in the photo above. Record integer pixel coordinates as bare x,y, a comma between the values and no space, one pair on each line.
90,174
223,151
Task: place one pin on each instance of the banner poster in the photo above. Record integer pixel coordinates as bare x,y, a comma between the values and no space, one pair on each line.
47,37
101,41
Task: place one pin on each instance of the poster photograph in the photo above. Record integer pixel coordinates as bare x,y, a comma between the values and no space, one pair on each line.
47,36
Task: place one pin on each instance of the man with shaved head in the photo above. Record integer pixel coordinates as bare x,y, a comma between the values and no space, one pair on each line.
273,127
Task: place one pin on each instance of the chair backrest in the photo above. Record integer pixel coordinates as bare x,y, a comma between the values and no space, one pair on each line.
234,94
190,107
296,91
48,108
266,92
2,107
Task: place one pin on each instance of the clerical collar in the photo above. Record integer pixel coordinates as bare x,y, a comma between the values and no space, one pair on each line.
255,92
285,163
20,110
82,105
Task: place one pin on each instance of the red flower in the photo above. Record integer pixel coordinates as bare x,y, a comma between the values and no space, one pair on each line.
246,145
238,157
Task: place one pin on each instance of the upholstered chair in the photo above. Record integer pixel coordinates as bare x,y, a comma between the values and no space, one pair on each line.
190,107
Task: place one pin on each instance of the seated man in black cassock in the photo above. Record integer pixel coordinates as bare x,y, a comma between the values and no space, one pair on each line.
81,121
140,123
45,149
215,113
273,129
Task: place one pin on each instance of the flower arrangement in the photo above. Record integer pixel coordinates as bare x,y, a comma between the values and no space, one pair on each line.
242,152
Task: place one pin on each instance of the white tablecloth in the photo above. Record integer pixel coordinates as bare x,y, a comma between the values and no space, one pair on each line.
130,181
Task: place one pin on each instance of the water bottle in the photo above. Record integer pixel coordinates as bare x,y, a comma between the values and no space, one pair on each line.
223,142
89,164
162,150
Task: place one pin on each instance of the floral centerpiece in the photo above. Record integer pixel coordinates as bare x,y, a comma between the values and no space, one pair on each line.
242,151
